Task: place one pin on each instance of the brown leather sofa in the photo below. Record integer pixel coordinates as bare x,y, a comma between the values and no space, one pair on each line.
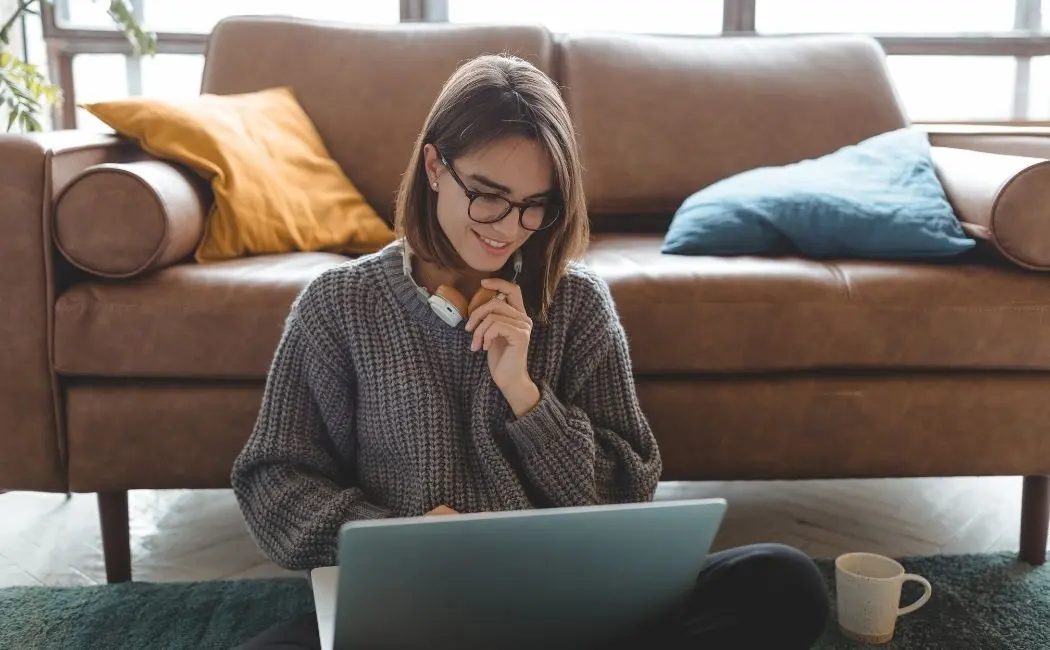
127,366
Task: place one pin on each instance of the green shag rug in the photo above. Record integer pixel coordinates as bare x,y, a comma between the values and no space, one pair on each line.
980,602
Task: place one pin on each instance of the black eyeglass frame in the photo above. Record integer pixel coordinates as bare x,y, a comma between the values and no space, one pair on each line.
472,195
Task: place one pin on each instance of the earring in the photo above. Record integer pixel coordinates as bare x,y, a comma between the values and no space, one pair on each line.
434,185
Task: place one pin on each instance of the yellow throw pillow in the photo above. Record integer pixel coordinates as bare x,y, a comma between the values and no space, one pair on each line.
277,189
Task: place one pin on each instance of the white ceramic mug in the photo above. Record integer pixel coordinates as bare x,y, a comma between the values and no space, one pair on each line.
868,595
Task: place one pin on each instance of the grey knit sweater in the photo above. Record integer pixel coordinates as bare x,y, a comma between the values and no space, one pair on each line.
374,407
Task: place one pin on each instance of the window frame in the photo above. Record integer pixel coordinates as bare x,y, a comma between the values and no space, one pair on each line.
738,19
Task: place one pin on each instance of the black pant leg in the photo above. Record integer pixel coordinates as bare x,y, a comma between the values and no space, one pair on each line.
297,634
762,595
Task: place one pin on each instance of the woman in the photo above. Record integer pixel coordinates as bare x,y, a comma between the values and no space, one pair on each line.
381,403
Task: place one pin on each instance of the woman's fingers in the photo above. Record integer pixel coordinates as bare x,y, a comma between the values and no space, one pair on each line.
500,326
478,340
482,338
495,306
509,289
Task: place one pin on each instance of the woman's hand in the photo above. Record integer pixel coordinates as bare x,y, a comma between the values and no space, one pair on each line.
503,329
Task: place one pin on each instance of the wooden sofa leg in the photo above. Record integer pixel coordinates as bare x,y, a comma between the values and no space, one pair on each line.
116,535
1035,517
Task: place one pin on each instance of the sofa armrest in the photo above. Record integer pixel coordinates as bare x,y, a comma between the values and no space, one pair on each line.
1015,140
121,220
1002,199
32,170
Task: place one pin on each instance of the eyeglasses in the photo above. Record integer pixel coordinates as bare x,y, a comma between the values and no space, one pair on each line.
485,207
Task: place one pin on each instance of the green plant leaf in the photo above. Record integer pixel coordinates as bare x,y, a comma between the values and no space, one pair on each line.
30,124
21,93
142,41
25,91
21,9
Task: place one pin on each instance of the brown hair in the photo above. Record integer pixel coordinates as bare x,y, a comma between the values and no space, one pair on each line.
486,99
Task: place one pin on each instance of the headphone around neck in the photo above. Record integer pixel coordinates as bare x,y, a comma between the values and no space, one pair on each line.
448,303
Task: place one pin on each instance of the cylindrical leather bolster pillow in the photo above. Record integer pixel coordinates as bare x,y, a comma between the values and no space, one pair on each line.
124,220
1002,199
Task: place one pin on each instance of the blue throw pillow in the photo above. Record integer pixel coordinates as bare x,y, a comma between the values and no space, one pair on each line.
876,199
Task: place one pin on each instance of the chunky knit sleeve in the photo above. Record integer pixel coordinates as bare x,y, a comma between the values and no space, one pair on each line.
589,442
288,480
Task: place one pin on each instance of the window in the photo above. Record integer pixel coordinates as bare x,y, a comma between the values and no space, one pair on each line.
962,62
955,88
200,16
83,14
172,76
951,60
884,16
1039,94
98,77
650,16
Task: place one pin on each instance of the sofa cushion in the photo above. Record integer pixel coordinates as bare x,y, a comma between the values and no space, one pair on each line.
877,199
683,315
689,315
659,117
220,320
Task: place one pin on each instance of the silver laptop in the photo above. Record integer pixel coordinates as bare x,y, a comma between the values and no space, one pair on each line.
562,577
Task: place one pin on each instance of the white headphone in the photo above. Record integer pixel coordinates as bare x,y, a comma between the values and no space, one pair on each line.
446,302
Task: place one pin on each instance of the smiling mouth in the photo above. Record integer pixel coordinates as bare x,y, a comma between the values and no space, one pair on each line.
491,243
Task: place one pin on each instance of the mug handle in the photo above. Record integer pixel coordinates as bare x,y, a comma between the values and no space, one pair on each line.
928,591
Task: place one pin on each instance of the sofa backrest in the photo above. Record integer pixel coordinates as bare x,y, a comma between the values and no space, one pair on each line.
658,117
661,117
367,89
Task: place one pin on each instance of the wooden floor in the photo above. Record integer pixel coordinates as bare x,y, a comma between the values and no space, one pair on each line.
47,539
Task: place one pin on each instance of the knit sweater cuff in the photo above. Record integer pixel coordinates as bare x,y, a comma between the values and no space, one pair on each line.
363,510
541,427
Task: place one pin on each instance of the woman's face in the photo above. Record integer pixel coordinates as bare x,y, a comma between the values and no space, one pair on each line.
513,169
